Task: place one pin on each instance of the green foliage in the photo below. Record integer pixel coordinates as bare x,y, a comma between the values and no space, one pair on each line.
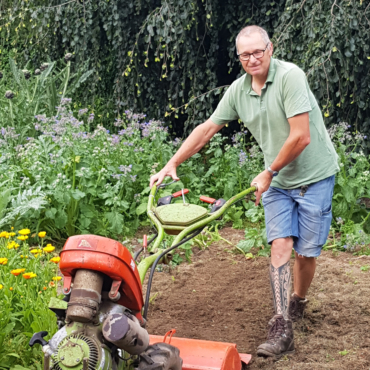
330,41
24,302
255,241
158,56
23,95
67,180
352,187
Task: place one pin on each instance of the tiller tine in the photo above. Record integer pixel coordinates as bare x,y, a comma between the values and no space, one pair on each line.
206,355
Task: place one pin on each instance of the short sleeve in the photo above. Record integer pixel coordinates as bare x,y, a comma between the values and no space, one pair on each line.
296,92
225,111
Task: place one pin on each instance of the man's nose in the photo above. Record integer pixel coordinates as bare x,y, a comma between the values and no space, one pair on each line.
252,60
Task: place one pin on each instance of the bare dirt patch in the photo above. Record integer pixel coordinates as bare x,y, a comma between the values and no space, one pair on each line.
222,296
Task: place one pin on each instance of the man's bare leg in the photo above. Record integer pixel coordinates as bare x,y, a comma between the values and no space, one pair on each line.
303,272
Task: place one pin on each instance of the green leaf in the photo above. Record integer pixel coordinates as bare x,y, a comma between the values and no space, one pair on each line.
77,194
141,209
115,220
61,219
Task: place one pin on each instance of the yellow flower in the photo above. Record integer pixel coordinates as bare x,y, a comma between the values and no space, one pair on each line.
55,259
17,272
22,255
49,248
24,231
10,246
3,234
1,286
12,234
22,237
57,278
42,234
35,251
29,275
12,228
11,288
3,261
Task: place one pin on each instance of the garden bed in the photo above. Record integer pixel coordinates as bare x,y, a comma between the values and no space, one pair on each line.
222,296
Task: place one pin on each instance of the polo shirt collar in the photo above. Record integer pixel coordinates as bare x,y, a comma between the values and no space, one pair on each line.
270,77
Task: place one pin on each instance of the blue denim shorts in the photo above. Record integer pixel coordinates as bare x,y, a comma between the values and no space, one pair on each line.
305,218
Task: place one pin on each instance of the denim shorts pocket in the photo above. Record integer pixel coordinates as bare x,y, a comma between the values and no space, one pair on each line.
325,222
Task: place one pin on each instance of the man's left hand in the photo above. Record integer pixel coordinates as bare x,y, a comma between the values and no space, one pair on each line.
262,183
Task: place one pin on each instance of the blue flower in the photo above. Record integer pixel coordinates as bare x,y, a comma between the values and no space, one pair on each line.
345,246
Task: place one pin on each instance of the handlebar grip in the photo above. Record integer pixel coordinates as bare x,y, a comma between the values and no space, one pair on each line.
38,338
179,193
207,199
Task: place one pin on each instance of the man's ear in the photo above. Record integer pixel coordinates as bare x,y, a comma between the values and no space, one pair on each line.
271,49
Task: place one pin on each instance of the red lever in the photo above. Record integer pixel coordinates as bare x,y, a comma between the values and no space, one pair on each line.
179,193
207,199
145,241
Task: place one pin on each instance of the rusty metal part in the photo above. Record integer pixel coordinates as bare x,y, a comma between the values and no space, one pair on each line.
85,364
85,296
46,361
125,332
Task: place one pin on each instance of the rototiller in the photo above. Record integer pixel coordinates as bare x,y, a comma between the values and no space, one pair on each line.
102,317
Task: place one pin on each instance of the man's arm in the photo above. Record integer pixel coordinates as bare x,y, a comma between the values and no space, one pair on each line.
195,142
298,139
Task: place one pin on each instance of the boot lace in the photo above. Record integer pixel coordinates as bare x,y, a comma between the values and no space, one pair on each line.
276,330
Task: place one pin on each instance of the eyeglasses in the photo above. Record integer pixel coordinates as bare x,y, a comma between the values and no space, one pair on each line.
258,54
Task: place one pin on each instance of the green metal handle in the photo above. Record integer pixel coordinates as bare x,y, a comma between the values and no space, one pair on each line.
145,264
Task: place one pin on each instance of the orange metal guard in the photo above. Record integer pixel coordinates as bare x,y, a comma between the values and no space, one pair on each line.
206,355
107,256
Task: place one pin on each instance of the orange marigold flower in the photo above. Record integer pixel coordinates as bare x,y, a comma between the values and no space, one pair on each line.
11,288
3,261
36,251
3,234
44,288
42,234
51,284
17,272
55,259
29,275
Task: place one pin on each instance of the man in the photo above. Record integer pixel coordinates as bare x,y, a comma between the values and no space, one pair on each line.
275,103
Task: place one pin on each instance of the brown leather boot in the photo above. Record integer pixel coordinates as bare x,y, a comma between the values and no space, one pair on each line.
297,306
280,338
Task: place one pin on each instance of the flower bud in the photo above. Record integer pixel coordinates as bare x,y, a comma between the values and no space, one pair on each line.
37,72
26,73
68,57
9,94
44,66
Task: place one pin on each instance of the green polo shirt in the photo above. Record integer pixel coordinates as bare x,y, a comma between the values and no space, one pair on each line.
285,94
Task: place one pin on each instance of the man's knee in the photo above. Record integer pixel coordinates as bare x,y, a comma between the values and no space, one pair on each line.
282,246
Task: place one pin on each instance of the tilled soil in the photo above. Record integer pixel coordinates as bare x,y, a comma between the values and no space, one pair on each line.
221,296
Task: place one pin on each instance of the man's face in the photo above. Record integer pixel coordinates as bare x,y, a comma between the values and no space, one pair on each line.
250,44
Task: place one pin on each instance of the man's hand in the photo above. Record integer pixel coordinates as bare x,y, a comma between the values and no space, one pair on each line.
263,181
168,170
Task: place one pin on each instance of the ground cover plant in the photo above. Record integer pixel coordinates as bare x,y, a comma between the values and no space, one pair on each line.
28,279
69,179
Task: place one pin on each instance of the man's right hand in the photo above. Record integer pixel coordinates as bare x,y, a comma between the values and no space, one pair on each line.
168,170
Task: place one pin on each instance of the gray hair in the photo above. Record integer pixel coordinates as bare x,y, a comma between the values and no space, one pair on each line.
246,31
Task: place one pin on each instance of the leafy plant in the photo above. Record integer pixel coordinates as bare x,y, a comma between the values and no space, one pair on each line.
23,95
